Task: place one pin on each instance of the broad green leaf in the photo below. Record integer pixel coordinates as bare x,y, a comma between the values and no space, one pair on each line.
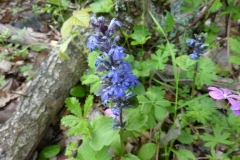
71,147
88,104
185,137
169,22
234,45
184,154
140,35
83,18
142,69
129,156
135,120
63,48
79,18
147,151
235,59
139,90
159,112
102,133
216,6
101,6
38,47
92,59
89,79
73,106
50,151
78,91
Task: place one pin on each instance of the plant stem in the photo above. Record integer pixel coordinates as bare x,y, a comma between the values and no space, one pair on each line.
194,78
121,133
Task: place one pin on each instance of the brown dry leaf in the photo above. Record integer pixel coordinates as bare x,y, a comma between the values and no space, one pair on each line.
42,55
11,85
8,98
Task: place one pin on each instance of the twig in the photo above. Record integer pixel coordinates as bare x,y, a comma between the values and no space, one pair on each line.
197,20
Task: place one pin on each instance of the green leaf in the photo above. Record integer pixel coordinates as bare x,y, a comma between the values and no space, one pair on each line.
78,91
159,59
234,45
142,69
135,120
92,58
140,35
71,147
38,47
2,81
73,106
102,133
89,79
184,154
101,6
129,156
218,137
79,18
19,35
191,5
216,6
63,48
50,151
206,72
88,104
185,63
70,120
235,59
159,112
169,22
185,137
147,151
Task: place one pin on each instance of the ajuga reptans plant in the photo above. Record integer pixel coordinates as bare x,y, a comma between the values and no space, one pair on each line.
198,46
117,78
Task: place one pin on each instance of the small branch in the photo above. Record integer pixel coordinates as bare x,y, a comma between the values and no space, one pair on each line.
197,20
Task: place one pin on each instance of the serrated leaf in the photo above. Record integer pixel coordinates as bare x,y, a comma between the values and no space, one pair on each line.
184,154
102,133
73,106
159,59
140,35
135,120
81,128
234,45
50,151
70,120
88,104
147,151
159,112
185,63
78,91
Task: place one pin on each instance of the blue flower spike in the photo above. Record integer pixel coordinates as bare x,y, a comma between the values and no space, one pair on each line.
117,78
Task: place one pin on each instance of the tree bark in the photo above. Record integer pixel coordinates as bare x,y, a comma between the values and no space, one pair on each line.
44,98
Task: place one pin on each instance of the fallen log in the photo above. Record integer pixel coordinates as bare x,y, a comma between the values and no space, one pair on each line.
27,38
42,102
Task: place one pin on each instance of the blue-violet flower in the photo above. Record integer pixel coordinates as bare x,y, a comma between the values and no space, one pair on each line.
198,46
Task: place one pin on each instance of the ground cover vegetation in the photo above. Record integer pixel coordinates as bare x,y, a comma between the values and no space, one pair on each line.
141,101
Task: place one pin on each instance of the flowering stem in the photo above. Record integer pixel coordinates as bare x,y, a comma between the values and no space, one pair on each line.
121,133
194,78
